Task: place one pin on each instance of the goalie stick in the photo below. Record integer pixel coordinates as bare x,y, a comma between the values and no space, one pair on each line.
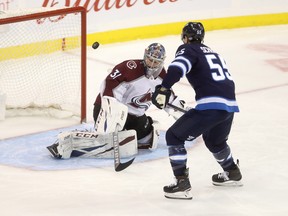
176,108
117,163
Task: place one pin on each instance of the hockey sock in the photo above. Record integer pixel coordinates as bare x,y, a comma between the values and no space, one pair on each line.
178,159
224,158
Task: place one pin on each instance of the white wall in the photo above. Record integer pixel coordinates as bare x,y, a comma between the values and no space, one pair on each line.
132,13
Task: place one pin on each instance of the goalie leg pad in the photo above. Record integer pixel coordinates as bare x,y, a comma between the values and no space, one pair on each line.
65,145
92,145
151,140
112,116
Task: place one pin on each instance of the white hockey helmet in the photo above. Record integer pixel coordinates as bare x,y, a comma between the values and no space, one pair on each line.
154,57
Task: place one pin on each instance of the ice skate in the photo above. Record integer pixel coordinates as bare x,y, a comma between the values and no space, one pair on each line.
230,177
54,151
180,189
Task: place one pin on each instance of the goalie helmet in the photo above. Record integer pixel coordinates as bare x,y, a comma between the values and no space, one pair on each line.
154,57
194,31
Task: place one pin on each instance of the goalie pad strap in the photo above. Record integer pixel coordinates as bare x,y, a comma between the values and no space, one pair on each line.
151,140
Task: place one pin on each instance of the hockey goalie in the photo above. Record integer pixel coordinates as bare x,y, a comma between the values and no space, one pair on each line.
119,110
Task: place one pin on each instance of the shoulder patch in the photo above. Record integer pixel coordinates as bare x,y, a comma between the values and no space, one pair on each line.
131,64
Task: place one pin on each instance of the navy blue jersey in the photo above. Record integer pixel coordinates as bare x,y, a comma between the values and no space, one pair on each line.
207,73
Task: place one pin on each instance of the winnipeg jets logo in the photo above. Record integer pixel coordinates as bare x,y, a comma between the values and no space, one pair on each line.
180,52
142,101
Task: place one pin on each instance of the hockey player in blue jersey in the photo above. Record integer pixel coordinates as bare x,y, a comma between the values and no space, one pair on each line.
212,117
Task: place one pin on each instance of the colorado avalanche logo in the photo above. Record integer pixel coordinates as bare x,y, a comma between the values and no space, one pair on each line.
142,101
131,64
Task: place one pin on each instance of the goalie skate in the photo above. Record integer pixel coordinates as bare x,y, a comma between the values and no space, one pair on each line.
54,151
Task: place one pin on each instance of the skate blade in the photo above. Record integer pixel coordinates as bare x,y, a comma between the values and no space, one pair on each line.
185,195
228,184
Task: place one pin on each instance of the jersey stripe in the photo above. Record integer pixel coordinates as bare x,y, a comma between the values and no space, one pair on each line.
217,103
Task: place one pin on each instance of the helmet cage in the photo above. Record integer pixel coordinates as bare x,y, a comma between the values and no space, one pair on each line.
154,57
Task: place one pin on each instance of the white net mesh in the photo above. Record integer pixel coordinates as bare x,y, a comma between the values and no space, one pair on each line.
40,63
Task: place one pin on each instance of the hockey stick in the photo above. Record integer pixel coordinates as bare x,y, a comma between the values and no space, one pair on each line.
117,163
176,108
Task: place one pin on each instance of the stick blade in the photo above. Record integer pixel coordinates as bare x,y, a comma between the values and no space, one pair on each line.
121,166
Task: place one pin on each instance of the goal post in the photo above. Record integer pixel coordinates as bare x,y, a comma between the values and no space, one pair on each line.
43,61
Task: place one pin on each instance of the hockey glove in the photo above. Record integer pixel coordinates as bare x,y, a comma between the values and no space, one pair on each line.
161,96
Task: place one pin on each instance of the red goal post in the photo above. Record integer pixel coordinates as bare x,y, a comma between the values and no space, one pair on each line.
43,61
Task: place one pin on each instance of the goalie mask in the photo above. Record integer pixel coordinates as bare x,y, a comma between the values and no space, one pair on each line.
154,57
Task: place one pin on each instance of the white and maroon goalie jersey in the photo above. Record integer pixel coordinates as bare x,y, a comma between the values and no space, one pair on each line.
129,85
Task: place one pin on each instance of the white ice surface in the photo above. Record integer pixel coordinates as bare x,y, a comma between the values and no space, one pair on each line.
258,61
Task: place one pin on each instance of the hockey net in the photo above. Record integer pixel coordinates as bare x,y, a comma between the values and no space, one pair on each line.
43,62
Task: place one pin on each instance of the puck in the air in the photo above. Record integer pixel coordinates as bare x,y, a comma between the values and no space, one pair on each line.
95,45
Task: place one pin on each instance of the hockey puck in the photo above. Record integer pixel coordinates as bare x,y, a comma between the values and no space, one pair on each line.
95,45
